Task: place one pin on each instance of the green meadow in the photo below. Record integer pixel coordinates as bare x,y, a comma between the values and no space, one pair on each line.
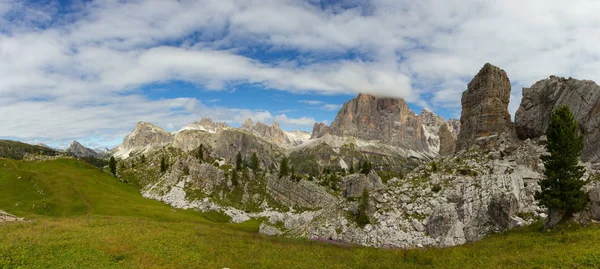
80,217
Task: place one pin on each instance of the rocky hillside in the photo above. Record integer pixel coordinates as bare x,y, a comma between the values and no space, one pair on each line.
430,182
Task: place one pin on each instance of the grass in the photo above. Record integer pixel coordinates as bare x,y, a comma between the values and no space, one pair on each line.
84,218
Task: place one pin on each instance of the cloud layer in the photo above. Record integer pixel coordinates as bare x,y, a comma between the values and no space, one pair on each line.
76,71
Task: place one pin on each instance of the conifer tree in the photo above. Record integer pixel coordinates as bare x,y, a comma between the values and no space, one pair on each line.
234,178
284,168
561,189
112,164
362,217
239,162
200,153
254,162
163,164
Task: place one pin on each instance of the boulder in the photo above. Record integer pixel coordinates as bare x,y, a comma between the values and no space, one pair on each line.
444,224
501,209
353,185
543,97
268,230
485,107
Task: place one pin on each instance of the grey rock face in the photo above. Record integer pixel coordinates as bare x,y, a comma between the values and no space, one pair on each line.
594,195
447,141
385,119
485,106
203,176
582,97
304,193
78,150
353,185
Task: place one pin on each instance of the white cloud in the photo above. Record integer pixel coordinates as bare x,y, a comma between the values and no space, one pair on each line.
311,102
331,107
303,121
77,75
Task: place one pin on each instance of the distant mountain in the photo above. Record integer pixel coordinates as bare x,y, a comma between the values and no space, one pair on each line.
78,150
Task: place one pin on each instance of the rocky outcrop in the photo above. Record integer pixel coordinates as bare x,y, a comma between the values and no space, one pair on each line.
78,150
144,137
388,120
447,141
582,97
353,185
303,194
485,107
319,130
8,217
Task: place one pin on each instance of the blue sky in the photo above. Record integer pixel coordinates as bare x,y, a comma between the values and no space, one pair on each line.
90,70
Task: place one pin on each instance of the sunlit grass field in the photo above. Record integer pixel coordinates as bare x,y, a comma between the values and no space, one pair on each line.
81,217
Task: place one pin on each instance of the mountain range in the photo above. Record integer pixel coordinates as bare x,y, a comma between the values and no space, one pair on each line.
430,181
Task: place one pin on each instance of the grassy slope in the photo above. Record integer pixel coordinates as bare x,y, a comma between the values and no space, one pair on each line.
85,218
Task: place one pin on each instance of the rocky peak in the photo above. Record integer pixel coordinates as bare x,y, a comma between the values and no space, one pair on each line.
78,150
431,119
388,120
248,124
485,107
207,122
319,130
543,97
144,135
273,133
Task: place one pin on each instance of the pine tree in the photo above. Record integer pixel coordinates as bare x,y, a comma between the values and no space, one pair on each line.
284,169
366,167
362,218
352,167
112,164
561,188
143,158
200,153
239,162
163,164
234,178
254,162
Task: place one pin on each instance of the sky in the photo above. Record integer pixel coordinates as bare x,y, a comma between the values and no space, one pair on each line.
90,70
